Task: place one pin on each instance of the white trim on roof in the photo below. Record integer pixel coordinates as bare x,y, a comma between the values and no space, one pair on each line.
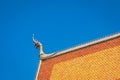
36,77
47,56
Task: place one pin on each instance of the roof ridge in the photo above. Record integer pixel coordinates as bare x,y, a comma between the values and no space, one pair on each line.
105,38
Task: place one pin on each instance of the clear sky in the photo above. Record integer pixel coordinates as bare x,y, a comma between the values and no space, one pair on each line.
58,24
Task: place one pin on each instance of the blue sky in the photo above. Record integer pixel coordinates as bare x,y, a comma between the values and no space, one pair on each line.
58,24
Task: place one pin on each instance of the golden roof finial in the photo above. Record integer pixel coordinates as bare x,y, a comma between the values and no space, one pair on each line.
38,45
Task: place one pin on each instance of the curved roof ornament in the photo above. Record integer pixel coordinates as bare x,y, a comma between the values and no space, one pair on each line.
38,45
42,55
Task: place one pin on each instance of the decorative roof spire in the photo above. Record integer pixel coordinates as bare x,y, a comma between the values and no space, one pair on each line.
38,45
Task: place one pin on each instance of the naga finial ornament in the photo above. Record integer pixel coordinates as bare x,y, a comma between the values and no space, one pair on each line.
38,45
